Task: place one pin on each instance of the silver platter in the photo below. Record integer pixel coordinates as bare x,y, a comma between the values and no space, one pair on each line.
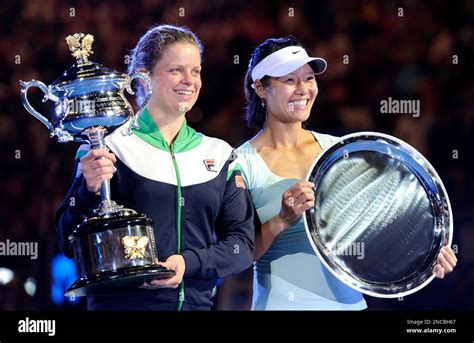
381,214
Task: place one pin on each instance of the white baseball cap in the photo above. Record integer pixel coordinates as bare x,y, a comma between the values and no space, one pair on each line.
285,61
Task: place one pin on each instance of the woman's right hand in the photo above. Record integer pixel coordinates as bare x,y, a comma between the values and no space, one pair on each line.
97,166
295,200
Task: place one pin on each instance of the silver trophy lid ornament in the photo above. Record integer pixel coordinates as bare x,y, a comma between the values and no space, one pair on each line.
114,248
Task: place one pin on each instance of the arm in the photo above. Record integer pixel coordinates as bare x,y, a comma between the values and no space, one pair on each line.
82,197
78,202
266,234
235,230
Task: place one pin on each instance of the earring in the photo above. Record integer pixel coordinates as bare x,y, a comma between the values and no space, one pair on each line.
263,103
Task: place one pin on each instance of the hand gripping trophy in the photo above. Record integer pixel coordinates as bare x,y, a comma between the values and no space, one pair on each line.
115,247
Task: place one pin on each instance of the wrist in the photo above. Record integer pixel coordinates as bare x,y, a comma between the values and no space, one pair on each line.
192,264
93,191
280,224
84,198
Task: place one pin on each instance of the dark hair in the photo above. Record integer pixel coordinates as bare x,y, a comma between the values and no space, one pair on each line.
153,44
255,113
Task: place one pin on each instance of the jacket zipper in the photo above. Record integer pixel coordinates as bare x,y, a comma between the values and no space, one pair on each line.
178,219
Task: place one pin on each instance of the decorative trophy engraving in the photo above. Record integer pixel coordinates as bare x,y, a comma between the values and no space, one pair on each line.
115,247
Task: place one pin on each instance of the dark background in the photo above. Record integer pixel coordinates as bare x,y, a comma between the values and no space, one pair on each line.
424,55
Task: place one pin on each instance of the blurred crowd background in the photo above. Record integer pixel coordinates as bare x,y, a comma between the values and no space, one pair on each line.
417,50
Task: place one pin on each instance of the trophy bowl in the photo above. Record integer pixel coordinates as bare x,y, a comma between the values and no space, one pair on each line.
381,214
87,95
114,247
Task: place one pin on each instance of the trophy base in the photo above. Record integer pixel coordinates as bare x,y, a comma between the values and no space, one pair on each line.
120,280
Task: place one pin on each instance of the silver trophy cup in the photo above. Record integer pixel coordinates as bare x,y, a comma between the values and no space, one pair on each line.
114,248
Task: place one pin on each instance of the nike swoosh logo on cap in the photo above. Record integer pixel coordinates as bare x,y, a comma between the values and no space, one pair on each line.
295,52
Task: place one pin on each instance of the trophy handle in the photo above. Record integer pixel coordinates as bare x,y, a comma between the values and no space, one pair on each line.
136,115
47,96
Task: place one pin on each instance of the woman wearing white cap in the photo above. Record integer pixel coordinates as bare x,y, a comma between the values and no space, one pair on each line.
280,88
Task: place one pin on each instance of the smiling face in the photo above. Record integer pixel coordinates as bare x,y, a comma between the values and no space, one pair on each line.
176,79
290,98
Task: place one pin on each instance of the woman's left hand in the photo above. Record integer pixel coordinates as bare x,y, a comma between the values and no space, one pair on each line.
445,263
176,263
